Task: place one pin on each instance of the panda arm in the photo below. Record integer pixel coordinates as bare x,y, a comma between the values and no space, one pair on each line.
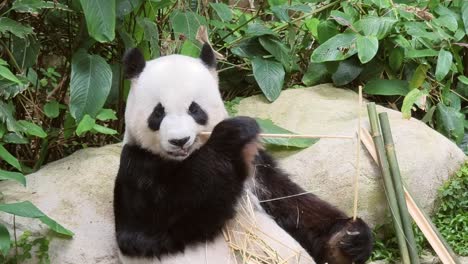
323,230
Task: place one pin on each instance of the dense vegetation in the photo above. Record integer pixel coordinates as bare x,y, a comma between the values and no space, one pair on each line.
61,86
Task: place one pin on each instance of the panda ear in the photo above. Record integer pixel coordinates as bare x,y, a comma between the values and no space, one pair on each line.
207,56
133,63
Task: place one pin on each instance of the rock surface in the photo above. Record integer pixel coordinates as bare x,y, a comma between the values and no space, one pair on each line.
77,191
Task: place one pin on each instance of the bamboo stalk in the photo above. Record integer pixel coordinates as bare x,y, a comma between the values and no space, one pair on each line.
358,157
400,197
269,135
388,184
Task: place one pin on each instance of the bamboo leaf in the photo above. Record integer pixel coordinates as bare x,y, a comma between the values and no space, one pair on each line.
267,126
10,159
31,129
5,241
387,87
15,176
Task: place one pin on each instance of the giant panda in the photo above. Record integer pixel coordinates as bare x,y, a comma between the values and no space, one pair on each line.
177,192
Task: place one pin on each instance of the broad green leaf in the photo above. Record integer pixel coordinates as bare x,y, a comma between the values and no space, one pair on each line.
278,49
346,72
91,80
186,23
409,101
34,6
190,49
85,125
100,19
24,209
127,39
375,26
267,126
257,29
6,116
7,74
10,159
387,87
52,224
104,130
15,28
312,25
341,18
4,240
106,114
51,109
339,47
16,176
421,53
463,79
447,21
269,76
14,138
326,30
31,129
277,2
151,35
450,122
249,48
68,126
316,73
382,3
223,11
444,61
125,7
282,11
395,60
418,77
464,13
367,47
25,51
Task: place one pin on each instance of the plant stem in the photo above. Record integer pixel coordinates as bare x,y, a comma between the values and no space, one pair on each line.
388,184
396,176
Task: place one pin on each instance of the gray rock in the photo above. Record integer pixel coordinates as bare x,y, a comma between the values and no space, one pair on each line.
327,168
77,191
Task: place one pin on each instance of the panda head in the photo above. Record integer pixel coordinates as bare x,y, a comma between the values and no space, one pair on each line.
171,100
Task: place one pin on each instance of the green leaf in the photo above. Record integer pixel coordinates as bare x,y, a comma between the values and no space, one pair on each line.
14,138
104,130
249,48
25,51
464,11
106,114
312,25
34,6
367,47
186,23
125,7
51,109
382,3
267,126
31,129
257,29
421,53
7,74
190,49
419,76
409,101
375,26
85,125
463,79
151,35
4,240
326,30
396,58
346,72
24,209
444,61
6,116
450,122
316,73
15,28
10,159
387,87
223,11
91,81
278,49
341,18
269,76
339,47
16,176
100,19
52,224
447,21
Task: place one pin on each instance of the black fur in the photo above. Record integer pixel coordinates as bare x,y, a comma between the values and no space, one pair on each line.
198,114
207,56
161,206
310,220
156,117
133,63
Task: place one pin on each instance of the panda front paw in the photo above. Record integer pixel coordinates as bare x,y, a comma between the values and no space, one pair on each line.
237,131
351,241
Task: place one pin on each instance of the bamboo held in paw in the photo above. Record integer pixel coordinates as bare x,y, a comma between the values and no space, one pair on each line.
358,157
388,184
395,173
267,135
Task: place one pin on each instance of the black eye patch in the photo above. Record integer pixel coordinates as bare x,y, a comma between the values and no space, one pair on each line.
198,114
156,117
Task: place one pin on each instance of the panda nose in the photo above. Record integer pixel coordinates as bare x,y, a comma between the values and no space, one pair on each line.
180,142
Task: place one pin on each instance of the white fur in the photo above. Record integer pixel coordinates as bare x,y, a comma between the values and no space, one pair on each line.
177,81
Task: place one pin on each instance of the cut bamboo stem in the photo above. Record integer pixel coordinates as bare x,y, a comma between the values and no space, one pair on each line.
269,135
358,157
400,197
388,184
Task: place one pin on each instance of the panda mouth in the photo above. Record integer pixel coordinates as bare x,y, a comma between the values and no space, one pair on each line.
181,153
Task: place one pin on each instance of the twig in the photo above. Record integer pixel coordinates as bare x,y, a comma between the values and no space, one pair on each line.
358,157
267,135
